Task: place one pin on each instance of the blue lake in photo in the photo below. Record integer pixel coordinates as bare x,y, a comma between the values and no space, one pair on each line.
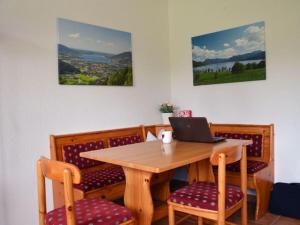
218,66
96,58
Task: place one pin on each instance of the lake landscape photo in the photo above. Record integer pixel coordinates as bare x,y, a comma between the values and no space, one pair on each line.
93,55
232,55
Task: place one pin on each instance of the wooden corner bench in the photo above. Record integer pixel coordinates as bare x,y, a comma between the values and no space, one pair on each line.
260,159
98,179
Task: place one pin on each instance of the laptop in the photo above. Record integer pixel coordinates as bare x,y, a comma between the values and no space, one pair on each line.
193,129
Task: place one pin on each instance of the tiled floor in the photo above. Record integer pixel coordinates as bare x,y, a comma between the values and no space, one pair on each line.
268,219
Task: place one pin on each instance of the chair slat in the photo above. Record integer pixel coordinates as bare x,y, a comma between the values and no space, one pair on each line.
232,154
54,170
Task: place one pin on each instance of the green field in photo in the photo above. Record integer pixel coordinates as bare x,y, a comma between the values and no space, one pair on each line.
122,77
204,78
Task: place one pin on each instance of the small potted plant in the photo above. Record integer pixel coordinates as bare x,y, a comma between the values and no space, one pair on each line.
167,110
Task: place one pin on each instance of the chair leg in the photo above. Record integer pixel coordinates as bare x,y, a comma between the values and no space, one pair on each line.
244,212
171,215
200,220
221,220
263,192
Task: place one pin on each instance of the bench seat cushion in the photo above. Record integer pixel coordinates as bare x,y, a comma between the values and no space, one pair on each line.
205,195
71,154
101,178
94,211
254,150
252,166
118,141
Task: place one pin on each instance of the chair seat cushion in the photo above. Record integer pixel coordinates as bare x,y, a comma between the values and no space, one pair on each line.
118,141
252,166
205,195
101,178
93,211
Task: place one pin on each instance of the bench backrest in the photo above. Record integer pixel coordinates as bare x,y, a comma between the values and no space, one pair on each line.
262,148
67,147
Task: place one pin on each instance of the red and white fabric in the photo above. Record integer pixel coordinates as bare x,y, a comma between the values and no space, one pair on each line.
94,211
185,113
205,195
119,141
252,166
101,178
254,150
71,154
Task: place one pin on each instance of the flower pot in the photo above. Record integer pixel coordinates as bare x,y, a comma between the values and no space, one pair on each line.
165,117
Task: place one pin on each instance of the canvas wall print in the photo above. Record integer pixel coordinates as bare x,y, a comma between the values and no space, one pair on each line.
232,55
93,55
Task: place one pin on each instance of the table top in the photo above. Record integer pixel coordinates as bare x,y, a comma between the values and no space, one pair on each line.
156,157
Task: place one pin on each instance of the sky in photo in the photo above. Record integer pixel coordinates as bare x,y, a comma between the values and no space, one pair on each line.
95,38
227,43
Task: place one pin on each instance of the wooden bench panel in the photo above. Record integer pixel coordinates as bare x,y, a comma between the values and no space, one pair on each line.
58,141
154,129
265,130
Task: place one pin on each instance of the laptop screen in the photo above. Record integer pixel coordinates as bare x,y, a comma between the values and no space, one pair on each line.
191,129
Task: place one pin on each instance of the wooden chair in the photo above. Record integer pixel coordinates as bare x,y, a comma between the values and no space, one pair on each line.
94,211
214,201
260,159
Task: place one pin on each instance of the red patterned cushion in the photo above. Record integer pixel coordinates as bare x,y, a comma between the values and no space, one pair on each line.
71,154
93,211
205,195
252,150
101,178
252,166
114,142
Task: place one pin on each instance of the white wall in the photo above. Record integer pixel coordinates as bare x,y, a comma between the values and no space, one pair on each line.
2,200
275,100
33,105
2,166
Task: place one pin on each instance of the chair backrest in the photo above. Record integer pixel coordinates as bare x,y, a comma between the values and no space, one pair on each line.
61,172
225,156
232,154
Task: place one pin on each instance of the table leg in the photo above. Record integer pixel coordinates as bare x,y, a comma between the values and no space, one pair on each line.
161,190
200,171
138,195
160,194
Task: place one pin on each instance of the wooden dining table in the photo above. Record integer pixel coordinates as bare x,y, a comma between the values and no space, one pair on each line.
143,162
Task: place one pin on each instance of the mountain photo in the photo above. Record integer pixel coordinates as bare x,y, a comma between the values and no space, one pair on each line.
93,55
232,55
